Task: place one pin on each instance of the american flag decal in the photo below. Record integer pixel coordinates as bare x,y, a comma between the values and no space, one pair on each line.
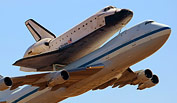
70,41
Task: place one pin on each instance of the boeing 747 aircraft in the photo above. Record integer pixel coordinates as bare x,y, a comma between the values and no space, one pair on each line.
96,69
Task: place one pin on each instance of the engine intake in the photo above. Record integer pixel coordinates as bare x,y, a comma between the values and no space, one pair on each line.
150,83
142,76
65,75
155,79
5,83
148,73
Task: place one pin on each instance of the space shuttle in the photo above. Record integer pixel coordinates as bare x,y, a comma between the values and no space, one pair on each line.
77,42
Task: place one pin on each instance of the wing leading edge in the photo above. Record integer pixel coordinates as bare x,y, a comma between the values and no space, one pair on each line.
42,80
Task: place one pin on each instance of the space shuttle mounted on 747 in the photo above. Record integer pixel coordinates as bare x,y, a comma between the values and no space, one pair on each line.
79,41
74,62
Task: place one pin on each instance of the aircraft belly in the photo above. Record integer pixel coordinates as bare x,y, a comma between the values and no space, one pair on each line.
136,52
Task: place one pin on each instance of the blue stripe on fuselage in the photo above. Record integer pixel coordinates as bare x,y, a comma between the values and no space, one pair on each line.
123,45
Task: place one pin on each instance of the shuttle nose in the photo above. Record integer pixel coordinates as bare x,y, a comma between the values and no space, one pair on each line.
118,16
126,12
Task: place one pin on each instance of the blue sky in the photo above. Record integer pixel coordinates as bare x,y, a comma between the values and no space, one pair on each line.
60,15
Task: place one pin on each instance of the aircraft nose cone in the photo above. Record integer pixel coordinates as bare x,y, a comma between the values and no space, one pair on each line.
168,30
165,28
118,16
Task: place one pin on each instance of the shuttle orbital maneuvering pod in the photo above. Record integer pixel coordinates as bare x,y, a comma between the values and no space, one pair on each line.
74,62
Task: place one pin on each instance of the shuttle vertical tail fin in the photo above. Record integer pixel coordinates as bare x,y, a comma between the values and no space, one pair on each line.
38,31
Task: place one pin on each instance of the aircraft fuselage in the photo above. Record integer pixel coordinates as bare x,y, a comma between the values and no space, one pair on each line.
126,49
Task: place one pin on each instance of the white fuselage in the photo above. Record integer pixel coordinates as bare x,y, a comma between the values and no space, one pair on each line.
126,49
95,23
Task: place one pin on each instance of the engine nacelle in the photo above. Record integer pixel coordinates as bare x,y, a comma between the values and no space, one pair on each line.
59,78
5,83
38,48
142,76
150,83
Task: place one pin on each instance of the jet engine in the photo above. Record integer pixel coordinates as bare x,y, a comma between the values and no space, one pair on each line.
5,83
58,78
150,83
142,75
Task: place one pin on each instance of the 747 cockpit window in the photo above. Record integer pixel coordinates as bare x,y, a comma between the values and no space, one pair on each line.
148,22
108,8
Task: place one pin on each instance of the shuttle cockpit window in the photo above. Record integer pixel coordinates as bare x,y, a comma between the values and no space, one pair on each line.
108,8
148,22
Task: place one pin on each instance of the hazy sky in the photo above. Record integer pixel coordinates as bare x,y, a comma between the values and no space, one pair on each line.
60,15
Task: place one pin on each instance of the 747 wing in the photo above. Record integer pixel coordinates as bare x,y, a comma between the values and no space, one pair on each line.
142,78
55,80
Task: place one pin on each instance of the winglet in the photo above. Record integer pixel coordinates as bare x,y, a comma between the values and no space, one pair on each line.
38,31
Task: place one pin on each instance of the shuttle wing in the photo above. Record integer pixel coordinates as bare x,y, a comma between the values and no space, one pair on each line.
63,56
45,61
